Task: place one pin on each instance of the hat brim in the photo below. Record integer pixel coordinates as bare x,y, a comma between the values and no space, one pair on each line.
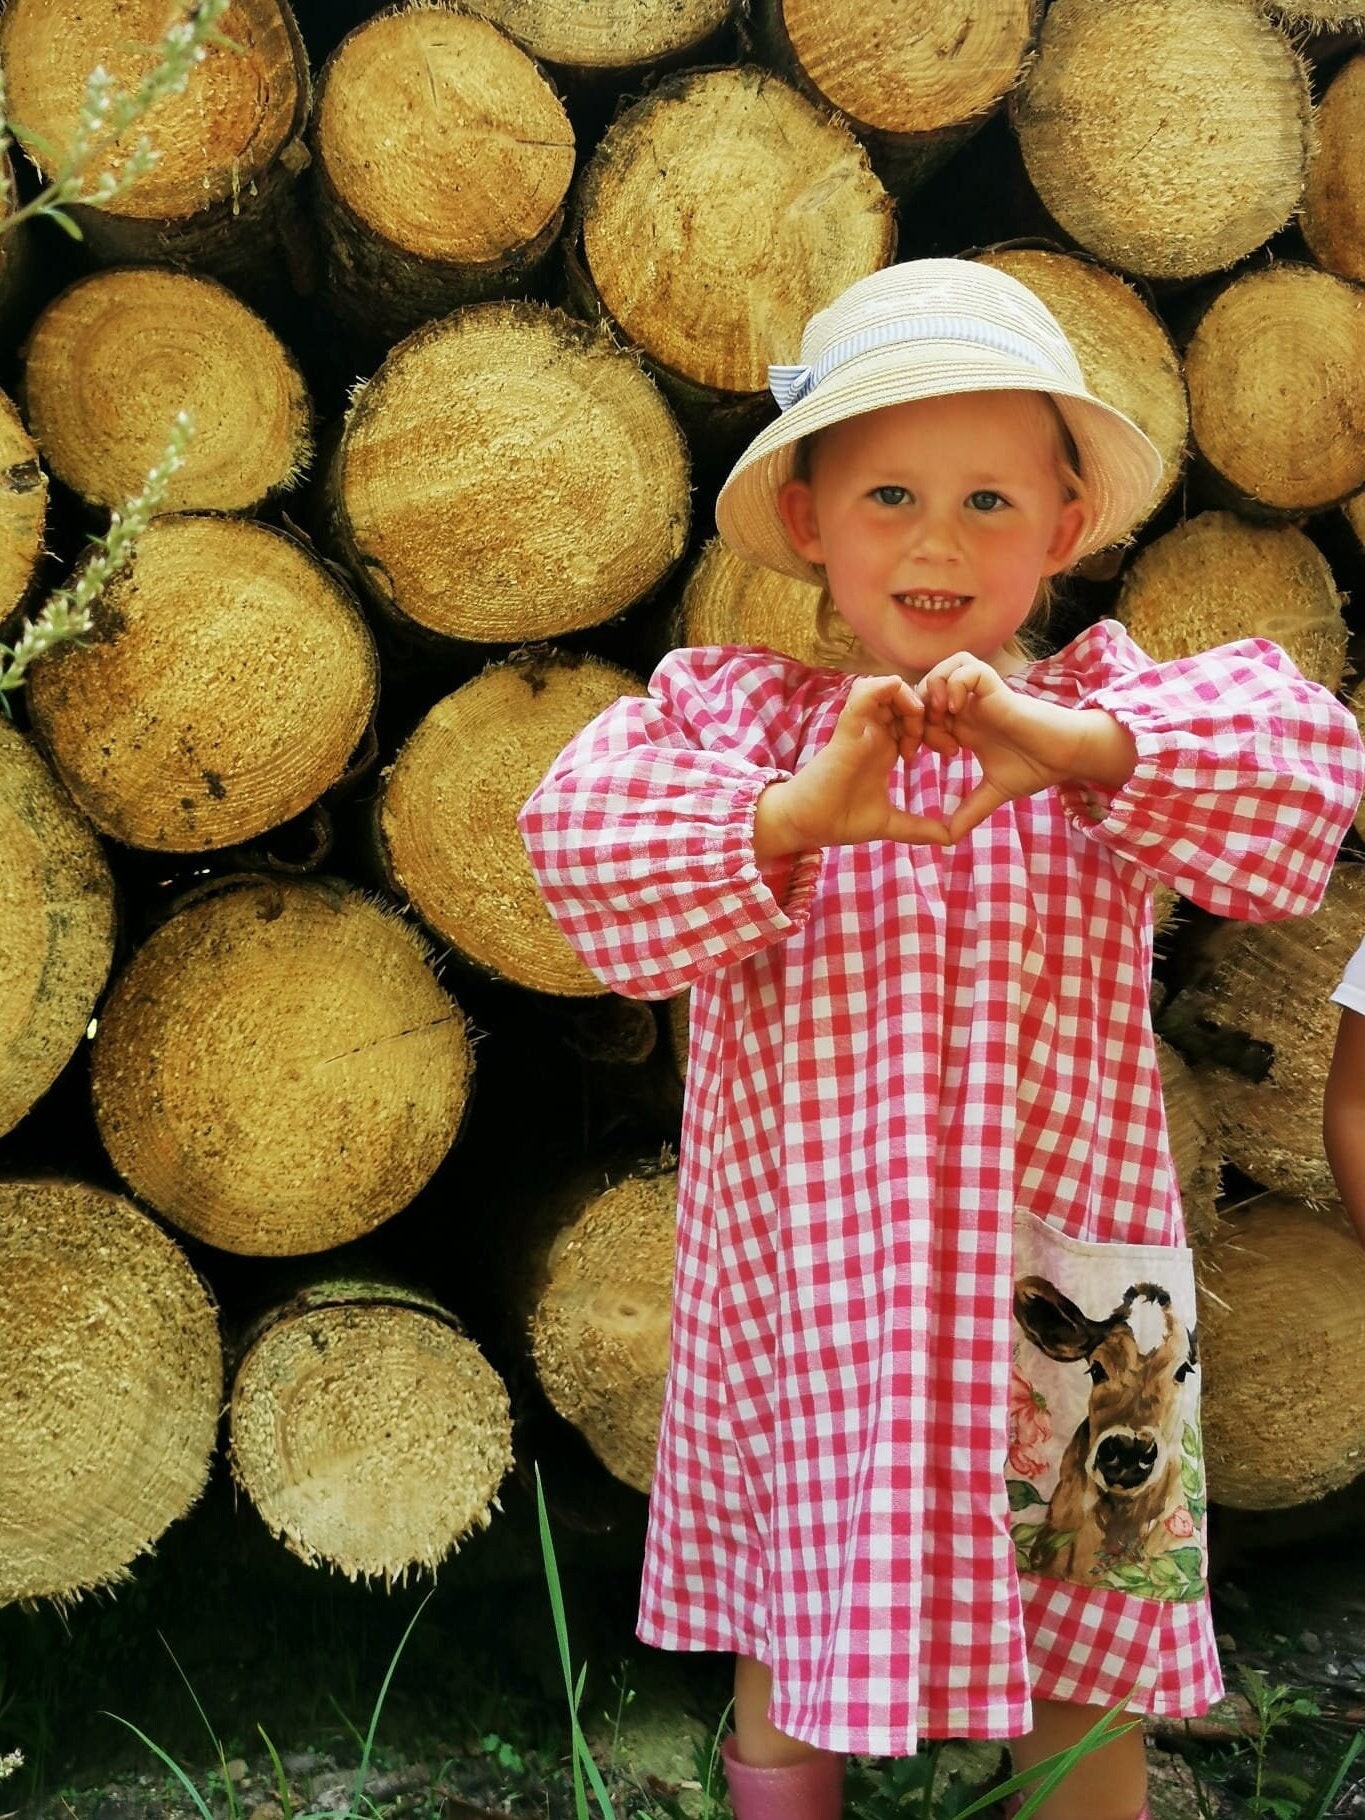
1121,466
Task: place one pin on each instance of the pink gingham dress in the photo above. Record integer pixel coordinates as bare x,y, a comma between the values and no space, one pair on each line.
893,1050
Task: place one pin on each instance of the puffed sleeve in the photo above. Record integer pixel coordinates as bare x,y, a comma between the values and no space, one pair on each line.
1247,778
641,835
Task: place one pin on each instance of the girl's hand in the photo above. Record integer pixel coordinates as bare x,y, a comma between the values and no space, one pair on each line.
1023,745
843,794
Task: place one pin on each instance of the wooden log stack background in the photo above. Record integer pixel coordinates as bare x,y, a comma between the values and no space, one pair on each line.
307,1111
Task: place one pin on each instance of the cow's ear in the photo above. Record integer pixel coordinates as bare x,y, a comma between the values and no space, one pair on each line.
1053,1321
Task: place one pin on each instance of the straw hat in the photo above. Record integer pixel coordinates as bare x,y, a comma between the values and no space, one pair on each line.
923,330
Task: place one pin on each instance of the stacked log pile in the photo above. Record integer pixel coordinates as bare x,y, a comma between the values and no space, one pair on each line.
472,304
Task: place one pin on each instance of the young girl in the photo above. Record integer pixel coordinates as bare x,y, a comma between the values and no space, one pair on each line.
928,1462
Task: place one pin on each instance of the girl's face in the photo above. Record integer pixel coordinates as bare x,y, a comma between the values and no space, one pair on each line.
935,522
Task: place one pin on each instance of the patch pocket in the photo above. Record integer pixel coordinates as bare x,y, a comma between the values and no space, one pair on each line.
1105,1469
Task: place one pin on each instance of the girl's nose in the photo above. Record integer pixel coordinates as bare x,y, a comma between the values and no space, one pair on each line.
933,535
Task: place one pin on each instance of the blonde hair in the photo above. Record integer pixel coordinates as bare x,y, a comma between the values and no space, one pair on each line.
835,640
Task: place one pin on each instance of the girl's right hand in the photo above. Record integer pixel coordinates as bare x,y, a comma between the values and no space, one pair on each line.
843,794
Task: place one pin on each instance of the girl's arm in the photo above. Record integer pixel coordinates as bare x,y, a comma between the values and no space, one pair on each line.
1343,1116
1246,780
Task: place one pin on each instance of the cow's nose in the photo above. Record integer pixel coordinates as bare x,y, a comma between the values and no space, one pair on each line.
1125,1460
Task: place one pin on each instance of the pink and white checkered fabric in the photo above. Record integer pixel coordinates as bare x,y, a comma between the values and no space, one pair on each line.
891,1048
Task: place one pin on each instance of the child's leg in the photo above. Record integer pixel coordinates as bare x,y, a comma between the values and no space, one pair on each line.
772,1776
1110,1784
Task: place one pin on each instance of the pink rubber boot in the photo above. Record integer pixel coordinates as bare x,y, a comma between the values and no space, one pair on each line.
810,1790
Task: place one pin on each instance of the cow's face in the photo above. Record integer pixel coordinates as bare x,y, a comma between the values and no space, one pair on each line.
1137,1358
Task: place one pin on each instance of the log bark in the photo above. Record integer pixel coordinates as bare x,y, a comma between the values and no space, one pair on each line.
1168,137
1333,217
1217,578
1282,1348
230,680
760,210
1276,371
1260,1027
468,487
112,1374
912,96
277,1070
595,1284
368,1429
108,364
219,197
448,813
442,158
1125,350
56,926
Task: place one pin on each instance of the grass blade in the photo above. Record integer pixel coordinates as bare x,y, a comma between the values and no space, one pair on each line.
1037,1783
281,1780
363,1771
201,1805
583,1763
1353,1750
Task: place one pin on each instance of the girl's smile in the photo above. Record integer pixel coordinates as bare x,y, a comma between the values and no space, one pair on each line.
935,522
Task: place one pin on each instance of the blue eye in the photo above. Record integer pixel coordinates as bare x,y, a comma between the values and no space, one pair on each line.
890,496
986,501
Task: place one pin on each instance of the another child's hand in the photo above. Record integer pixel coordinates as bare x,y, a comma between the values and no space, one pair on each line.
1023,745
843,794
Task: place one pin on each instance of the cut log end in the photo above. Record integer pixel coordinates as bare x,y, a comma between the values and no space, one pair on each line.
1282,1349
1126,354
1217,578
473,460
448,818
23,509
231,680
1333,215
213,139
1276,371
439,134
371,1437
111,361
594,37
56,926
1133,118
960,59
277,1070
599,1331
729,601
760,211
112,1368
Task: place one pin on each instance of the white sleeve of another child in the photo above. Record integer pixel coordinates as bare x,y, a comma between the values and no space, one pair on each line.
1351,991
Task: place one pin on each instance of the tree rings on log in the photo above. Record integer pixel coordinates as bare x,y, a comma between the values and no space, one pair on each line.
599,1327
1355,516
448,815
718,214
277,1070
1194,1143
443,158
1282,1350
112,1368
227,145
728,601
591,38
1333,217
1217,578
56,926
1169,137
1260,1029
1126,354
1276,371
111,360
230,680
912,95
469,484
369,1431
23,510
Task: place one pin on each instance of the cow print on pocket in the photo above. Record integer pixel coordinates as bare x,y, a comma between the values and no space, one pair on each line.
1105,1471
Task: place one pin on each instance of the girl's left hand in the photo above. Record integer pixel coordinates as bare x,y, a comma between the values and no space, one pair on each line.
1023,745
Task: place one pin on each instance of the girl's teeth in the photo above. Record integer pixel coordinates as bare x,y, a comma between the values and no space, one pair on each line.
933,603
